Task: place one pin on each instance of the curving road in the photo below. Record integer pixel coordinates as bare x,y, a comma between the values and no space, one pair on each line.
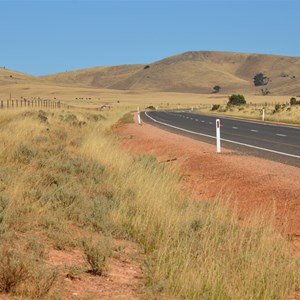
276,142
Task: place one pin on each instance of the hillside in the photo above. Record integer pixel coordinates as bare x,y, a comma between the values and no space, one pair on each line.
11,77
190,72
196,71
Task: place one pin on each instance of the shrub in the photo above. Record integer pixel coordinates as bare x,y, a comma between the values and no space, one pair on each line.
293,101
151,107
215,107
22,273
13,269
97,254
216,89
236,100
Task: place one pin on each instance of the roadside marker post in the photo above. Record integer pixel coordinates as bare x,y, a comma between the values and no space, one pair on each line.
139,117
263,114
218,135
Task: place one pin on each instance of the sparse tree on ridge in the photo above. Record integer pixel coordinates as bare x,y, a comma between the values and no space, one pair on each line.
216,89
260,79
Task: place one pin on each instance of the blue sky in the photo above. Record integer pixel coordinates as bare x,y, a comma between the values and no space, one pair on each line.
42,37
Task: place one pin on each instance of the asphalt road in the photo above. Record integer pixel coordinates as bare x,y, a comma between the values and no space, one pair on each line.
275,142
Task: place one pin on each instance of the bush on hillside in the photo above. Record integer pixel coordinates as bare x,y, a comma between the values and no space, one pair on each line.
215,107
260,79
236,100
293,101
216,89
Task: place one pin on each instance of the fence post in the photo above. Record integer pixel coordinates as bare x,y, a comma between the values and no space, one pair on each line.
7,106
2,104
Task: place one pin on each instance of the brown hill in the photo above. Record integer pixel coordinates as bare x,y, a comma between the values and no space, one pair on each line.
190,72
11,77
196,71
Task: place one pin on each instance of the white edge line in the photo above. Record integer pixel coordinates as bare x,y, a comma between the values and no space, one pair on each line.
225,140
246,121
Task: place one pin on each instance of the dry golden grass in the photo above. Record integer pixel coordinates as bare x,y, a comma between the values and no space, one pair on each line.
57,176
281,113
197,71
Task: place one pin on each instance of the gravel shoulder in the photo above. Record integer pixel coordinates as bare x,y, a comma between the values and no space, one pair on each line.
250,184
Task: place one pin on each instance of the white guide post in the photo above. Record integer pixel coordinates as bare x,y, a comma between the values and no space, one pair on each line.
263,114
138,115
192,108
218,135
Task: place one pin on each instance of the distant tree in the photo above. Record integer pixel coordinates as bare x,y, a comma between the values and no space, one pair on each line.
236,100
216,89
260,79
146,67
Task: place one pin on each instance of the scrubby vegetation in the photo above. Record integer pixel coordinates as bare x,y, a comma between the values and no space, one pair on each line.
67,186
236,100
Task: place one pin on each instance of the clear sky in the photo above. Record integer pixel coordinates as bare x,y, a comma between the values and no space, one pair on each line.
42,37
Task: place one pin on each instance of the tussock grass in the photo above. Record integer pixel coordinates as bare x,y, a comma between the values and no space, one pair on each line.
197,250
61,181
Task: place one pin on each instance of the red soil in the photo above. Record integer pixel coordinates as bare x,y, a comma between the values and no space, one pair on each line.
250,183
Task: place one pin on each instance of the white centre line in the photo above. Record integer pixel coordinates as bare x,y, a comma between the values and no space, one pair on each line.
203,121
253,130
235,128
279,134
210,123
196,120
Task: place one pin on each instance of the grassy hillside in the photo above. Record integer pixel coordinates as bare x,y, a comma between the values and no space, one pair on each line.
100,77
11,77
196,71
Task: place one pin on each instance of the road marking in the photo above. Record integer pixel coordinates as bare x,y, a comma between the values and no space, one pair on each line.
210,123
196,120
279,134
225,140
252,122
235,128
192,119
253,130
203,121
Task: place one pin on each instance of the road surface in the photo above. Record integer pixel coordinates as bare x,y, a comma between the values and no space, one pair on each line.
276,142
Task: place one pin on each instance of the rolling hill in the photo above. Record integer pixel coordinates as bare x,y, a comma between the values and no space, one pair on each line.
11,77
190,72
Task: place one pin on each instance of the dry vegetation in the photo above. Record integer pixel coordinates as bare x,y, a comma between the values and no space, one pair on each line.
281,112
65,183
